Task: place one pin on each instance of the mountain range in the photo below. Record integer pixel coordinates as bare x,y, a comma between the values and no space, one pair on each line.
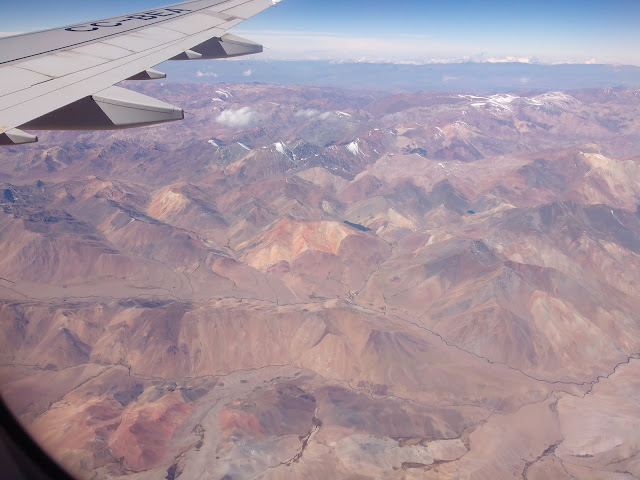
310,282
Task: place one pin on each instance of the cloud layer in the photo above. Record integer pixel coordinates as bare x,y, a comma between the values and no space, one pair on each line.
244,117
419,49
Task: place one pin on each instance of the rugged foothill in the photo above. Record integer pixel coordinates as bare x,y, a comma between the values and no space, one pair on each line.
301,282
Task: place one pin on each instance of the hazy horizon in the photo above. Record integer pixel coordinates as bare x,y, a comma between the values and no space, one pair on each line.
468,77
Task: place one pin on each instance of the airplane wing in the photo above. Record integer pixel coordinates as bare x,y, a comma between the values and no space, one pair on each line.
62,79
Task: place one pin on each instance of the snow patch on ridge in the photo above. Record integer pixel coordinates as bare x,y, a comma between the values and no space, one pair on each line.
503,101
224,93
503,98
557,99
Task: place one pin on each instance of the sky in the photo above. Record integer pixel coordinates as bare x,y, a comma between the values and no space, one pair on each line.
409,31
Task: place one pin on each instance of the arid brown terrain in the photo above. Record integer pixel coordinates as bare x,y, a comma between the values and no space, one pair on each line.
301,282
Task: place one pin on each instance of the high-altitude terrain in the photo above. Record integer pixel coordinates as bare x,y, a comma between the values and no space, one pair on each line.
301,282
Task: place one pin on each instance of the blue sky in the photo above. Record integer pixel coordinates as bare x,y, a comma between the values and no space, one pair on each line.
401,31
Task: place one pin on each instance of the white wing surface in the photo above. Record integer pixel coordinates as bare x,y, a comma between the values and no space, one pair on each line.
62,79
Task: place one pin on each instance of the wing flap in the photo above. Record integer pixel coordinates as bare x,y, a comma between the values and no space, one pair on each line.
193,23
13,79
145,39
246,10
103,50
60,64
231,4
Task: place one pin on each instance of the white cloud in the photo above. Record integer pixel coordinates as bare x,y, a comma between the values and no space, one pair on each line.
308,113
244,117
200,73
511,60
9,34
247,73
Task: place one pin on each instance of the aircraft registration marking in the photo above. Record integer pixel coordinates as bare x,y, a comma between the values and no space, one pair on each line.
150,15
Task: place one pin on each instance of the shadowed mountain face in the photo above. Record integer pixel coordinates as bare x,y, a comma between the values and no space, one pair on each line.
299,282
